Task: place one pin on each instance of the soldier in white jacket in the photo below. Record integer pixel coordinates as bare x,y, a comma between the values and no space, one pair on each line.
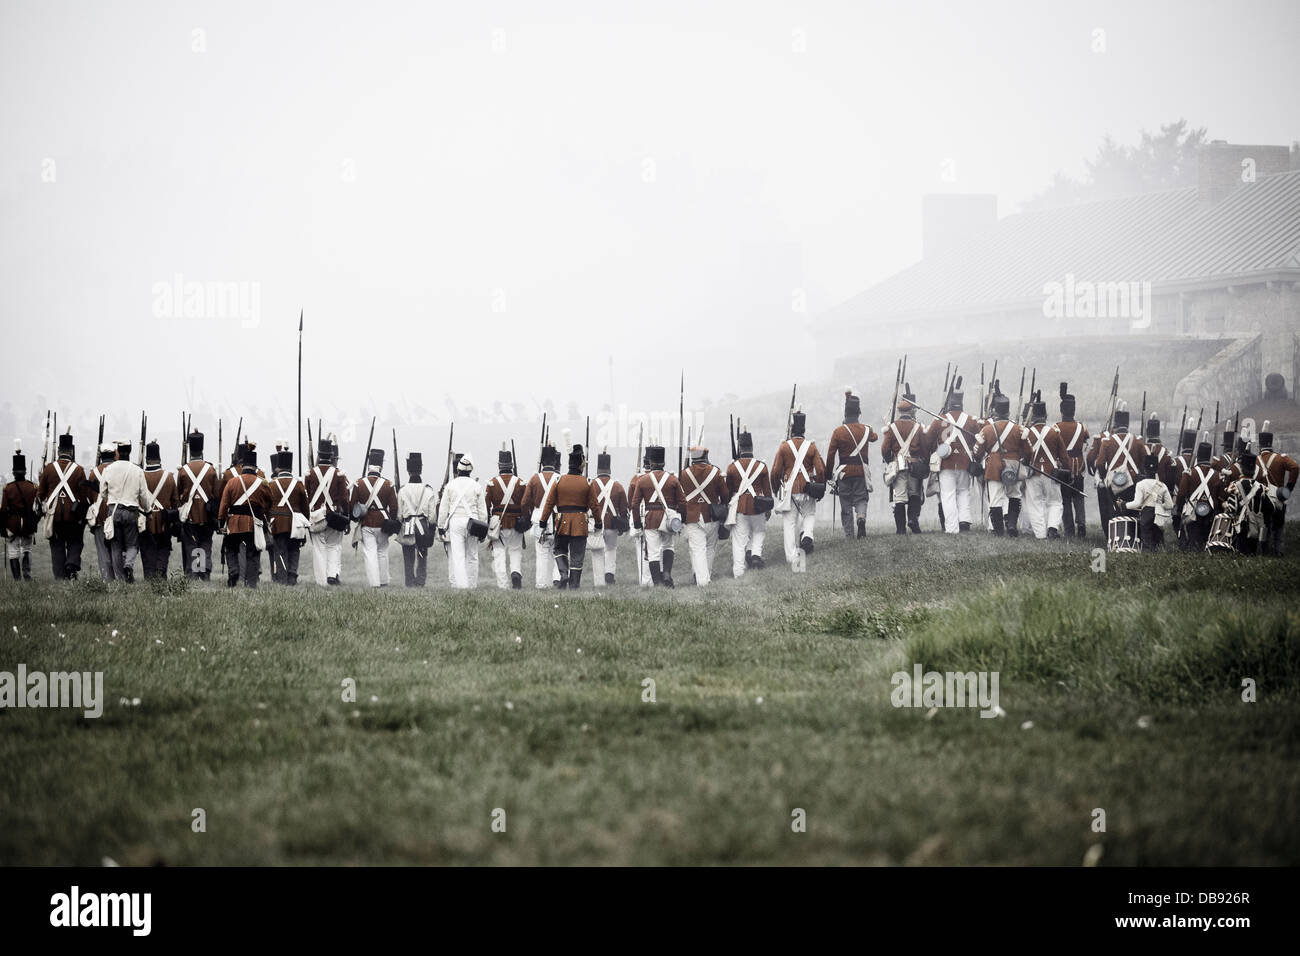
1155,507
462,499
417,506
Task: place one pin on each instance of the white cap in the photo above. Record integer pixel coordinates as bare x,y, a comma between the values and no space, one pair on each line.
466,463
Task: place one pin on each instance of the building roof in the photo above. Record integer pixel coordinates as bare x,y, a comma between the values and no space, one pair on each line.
1169,238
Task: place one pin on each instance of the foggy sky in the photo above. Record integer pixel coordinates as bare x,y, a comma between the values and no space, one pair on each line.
488,201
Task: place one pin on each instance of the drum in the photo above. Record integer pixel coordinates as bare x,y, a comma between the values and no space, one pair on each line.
1220,539
1122,535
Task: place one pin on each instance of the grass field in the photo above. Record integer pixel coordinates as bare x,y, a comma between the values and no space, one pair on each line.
1122,691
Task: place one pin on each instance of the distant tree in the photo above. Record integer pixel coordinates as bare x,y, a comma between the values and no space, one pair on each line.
1164,160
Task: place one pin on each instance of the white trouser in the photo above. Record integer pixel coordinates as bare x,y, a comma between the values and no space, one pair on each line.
999,493
799,522
462,553
374,552
16,546
954,495
548,571
747,535
657,542
507,555
603,560
326,554
1042,504
702,540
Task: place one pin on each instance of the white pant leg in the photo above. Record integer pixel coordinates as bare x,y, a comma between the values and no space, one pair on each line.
370,555
963,495
471,558
1036,505
597,558
1055,507
642,544
807,515
333,552
948,498
546,571
757,533
457,533
710,545
739,544
611,553
791,529
318,559
997,495
697,545
499,562
381,541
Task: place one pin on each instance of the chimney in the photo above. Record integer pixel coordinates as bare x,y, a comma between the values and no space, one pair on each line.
1221,167
948,219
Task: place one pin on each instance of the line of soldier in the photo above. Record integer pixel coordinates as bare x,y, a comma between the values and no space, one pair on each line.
133,510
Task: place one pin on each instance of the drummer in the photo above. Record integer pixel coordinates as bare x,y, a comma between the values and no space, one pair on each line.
1199,492
1154,505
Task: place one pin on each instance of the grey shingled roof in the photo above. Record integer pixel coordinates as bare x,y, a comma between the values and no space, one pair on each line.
1167,238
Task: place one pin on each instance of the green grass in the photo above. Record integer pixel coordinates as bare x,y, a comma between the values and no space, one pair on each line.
241,714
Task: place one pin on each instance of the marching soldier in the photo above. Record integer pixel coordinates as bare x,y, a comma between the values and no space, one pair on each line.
906,457
848,445
417,507
288,518
705,494
1074,435
199,492
1120,460
1226,460
799,475
1279,473
638,538
63,496
952,436
462,503
123,496
611,520
1003,448
750,487
571,499
327,506
374,509
96,516
1047,461
1199,493
245,503
1248,505
236,466
160,515
18,519
1166,462
660,493
1179,465
539,486
505,502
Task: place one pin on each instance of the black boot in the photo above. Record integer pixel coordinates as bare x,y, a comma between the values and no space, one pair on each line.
749,559
656,574
609,577
759,563
862,527
900,519
16,568
806,543
668,568
27,567
516,581
575,578
1053,533
129,574
70,573
1013,518
914,514
963,526
995,516
232,579
334,581
562,563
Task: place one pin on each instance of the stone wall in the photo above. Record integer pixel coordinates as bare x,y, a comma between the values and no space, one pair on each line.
1233,378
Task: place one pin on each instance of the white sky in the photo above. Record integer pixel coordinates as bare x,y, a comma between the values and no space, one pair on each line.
517,179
